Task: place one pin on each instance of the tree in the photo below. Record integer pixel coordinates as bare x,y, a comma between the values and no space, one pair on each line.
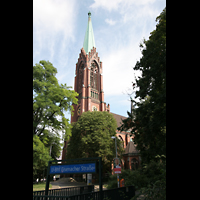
149,123
91,137
40,157
52,143
50,100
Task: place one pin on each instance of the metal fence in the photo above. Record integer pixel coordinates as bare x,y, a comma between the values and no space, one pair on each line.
125,193
70,191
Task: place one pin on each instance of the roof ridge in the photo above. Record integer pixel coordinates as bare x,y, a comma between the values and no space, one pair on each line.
118,114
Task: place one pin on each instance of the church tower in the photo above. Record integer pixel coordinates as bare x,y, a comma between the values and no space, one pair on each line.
88,81
88,77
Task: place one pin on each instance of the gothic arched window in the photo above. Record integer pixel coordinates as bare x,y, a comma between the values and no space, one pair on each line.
80,77
94,75
134,164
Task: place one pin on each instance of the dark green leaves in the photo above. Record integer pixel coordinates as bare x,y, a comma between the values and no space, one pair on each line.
91,137
149,121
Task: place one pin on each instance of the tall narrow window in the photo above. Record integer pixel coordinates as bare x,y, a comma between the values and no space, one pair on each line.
80,77
95,79
94,75
91,78
134,164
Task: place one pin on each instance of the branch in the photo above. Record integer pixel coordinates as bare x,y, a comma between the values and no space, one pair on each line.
49,119
41,131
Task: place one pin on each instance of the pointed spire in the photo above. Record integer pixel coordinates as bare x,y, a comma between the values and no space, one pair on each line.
89,42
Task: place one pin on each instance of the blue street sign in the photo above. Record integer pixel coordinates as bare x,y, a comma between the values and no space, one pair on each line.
73,168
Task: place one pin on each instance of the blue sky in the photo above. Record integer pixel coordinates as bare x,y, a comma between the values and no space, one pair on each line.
119,26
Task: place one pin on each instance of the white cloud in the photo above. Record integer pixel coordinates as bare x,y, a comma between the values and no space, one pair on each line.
52,21
118,46
53,16
118,4
129,10
108,5
118,72
110,22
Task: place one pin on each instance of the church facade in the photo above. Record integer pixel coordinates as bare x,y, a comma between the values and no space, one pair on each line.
88,83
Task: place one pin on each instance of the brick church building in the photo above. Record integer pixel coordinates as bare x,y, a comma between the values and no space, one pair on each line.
89,84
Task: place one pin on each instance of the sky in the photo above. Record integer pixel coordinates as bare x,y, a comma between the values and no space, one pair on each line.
119,27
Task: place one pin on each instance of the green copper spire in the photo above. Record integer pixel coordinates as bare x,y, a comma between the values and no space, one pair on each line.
89,42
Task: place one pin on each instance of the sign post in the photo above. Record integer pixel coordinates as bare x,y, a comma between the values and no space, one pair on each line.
117,169
47,180
75,166
100,178
83,168
89,179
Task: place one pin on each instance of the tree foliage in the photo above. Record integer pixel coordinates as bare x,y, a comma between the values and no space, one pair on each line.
50,101
142,177
40,156
91,137
148,123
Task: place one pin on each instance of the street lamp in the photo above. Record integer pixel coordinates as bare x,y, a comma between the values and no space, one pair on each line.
113,137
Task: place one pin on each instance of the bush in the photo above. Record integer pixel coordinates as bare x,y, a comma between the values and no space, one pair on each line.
134,177
112,181
156,191
149,181
154,186
130,177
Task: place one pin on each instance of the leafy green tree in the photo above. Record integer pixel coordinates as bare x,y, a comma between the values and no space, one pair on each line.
40,157
91,137
148,123
52,142
50,100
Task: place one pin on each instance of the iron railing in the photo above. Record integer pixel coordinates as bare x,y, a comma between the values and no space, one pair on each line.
125,193
70,191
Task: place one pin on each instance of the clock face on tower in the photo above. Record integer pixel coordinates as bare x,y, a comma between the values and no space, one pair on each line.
79,110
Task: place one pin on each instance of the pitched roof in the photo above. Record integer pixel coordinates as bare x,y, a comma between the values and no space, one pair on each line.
118,118
131,148
89,42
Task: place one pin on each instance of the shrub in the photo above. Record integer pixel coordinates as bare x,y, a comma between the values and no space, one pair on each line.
149,181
